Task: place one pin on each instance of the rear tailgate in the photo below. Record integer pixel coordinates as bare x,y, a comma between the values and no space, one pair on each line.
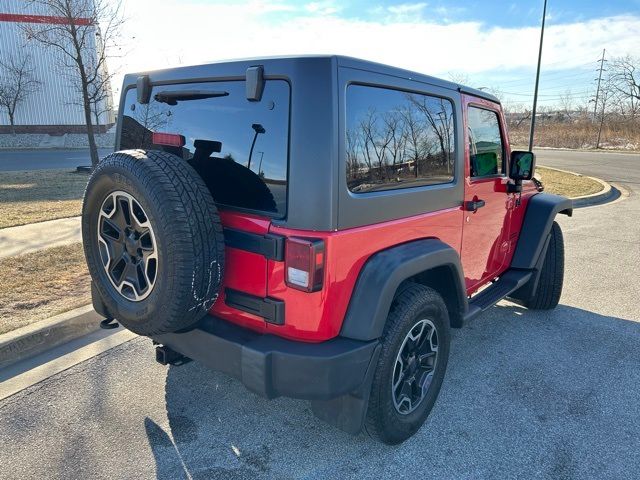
240,149
245,271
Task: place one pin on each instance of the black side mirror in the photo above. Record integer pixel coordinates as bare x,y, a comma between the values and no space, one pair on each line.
522,165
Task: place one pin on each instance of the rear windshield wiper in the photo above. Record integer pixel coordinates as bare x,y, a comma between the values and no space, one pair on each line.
172,97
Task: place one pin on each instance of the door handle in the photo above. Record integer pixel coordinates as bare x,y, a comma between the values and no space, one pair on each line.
473,205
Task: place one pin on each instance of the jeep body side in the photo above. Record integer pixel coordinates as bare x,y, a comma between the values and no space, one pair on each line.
462,230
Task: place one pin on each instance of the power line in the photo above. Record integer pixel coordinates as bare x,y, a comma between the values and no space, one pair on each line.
543,94
550,74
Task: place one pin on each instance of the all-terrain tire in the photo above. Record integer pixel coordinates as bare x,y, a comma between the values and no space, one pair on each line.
383,421
188,239
549,288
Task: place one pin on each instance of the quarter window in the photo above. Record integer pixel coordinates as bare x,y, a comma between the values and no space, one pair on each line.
397,139
485,142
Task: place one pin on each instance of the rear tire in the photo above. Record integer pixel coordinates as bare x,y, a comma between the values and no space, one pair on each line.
164,196
391,418
551,279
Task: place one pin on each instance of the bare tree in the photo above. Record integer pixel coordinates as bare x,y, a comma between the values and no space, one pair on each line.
626,81
375,139
100,103
17,82
354,146
440,123
413,133
459,77
395,129
83,53
566,103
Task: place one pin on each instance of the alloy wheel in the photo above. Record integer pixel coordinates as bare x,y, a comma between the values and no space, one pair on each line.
414,367
127,244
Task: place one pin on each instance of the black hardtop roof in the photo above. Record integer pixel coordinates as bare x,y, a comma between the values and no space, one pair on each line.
202,70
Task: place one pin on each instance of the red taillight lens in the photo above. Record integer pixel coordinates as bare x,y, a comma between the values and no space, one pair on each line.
304,263
169,139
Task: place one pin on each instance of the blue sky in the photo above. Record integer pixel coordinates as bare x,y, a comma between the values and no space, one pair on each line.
487,44
503,13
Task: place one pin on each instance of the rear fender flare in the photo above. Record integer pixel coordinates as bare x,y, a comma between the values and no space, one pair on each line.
385,271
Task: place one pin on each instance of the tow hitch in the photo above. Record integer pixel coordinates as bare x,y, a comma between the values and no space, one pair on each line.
167,356
109,323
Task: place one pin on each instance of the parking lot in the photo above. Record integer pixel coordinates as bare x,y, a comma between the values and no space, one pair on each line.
527,394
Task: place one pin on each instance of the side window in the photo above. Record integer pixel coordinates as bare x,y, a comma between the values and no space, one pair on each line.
397,139
485,142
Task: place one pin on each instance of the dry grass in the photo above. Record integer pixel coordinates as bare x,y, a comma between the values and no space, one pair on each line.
39,285
567,184
581,134
35,196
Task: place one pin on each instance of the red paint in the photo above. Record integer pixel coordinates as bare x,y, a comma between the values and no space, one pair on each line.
318,316
485,243
244,271
490,234
47,19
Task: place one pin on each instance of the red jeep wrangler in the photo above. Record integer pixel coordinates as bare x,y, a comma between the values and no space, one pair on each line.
314,226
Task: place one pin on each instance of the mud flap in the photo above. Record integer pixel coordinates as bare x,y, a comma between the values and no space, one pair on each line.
347,412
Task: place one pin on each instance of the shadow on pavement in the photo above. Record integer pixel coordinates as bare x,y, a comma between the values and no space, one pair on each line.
543,394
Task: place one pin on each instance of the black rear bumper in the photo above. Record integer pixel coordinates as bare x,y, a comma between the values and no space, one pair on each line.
272,366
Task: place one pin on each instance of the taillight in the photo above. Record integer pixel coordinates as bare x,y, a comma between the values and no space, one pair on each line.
304,263
169,139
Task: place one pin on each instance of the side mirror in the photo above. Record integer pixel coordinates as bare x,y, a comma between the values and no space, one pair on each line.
522,165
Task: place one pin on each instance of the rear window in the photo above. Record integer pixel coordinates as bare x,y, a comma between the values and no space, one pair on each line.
240,148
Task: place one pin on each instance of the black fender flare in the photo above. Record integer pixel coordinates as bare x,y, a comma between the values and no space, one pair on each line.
542,209
383,273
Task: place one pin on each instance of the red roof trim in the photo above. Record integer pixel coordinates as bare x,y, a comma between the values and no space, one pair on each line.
14,17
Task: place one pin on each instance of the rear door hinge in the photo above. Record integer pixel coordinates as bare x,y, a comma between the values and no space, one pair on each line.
270,245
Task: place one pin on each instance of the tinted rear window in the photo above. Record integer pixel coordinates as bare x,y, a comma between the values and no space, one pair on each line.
247,169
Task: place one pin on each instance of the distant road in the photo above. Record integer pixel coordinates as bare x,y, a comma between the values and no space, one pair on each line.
46,158
623,168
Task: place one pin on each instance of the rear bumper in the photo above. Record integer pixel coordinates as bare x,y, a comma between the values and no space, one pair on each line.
272,366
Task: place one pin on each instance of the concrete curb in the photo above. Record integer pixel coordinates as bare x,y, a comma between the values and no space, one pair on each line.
585,150
36,338
606,195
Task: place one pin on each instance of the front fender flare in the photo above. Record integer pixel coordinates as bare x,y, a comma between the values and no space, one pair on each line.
542,209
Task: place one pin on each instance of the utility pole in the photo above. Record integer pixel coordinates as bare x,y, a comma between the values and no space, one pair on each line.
595,107
535,92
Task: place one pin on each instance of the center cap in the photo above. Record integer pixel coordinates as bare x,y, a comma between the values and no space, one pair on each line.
131,244
412,364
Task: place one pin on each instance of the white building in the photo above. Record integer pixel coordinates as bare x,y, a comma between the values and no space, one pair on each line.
56,107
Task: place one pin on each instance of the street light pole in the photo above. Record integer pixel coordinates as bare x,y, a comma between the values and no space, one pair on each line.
258,128
535,92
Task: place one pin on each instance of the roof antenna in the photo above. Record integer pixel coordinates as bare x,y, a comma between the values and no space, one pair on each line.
535,92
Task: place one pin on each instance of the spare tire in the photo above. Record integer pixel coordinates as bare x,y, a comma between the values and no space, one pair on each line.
152,240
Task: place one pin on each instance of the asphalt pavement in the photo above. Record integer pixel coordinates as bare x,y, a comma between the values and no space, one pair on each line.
527,394
621,168
46,158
